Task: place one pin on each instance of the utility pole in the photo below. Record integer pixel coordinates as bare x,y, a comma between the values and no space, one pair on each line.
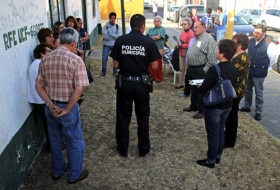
230,18
123,16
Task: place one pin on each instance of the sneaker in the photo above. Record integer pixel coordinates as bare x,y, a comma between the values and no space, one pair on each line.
183,95
102,76
82,176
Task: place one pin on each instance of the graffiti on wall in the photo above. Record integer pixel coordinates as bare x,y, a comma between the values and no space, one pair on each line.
20,35
18,13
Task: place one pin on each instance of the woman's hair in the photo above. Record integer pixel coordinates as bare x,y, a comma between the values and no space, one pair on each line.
189,20
158,17
40,49
78,19
43,33
56,27
55,39
241,39
71,18
228,48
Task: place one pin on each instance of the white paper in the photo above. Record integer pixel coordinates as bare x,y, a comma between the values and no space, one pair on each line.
196,81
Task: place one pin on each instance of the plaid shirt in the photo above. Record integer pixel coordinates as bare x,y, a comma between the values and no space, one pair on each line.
59,72
202,52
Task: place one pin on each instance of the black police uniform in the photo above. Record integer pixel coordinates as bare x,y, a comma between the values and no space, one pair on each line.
134,52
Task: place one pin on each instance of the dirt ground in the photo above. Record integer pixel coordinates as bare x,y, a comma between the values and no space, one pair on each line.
177,141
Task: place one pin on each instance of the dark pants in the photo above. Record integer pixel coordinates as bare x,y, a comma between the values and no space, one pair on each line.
196,97
215,123
231,124
187,89
41,111
155,14
137,92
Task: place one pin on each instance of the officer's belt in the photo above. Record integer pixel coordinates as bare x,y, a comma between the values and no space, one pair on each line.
132,78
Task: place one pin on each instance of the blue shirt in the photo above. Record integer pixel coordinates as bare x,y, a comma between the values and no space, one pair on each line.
223,18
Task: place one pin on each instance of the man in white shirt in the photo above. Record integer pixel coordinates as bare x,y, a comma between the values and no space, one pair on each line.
155,8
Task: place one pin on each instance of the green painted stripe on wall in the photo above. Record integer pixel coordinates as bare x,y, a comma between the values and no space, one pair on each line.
92,37
20,152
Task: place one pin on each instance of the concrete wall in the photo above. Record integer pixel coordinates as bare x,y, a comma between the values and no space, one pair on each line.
19,24
131,7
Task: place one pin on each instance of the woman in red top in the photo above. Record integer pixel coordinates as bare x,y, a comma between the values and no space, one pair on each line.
183,44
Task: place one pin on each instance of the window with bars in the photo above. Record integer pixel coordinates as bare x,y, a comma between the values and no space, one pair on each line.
55,11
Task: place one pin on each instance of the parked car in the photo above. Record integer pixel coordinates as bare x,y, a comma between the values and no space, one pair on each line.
147,5
170,12
271,18
201,11
240,25
278,54
252,16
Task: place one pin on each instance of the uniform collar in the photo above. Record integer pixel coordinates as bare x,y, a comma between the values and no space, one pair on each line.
135,31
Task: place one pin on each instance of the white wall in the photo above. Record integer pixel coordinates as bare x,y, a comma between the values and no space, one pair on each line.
18,19
92,21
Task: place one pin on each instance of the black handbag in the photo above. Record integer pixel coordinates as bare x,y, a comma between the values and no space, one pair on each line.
221,92
90,78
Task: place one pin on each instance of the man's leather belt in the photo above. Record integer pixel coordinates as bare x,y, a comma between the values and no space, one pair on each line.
59,102
132,78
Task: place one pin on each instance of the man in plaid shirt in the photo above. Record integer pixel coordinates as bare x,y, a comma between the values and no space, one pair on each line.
60,82
200,56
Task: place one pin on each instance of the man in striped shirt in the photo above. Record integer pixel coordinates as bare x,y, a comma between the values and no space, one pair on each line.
200,57
61,78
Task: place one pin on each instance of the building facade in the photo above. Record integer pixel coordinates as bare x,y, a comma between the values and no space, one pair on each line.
21,130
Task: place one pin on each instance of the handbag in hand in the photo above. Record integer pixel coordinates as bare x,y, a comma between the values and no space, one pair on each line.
221,92
90,78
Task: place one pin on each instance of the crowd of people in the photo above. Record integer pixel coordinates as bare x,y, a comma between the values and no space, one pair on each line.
57,77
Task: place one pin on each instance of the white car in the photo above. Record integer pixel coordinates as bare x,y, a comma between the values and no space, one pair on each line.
147,5
278,54
252,16
271,18
170,12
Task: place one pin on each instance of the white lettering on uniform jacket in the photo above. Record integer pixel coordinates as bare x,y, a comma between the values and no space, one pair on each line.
133,50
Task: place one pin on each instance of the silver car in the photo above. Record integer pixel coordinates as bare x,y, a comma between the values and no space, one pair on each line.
146,5
252,16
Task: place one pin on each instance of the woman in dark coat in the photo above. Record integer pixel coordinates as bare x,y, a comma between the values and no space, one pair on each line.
215,116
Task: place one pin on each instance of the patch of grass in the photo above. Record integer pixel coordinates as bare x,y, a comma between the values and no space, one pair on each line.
177,142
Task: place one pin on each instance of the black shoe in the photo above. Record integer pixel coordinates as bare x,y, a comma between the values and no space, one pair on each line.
225,146
218,160
258,116
204,163
245,109
143,155
57,178
82,176
121,154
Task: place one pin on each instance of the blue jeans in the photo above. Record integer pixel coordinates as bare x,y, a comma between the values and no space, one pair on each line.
215,122
257,83
220,35
105,53
69,127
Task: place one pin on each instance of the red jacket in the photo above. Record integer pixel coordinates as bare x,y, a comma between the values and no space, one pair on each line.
185,38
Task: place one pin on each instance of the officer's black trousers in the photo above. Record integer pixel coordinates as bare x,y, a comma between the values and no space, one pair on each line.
139,93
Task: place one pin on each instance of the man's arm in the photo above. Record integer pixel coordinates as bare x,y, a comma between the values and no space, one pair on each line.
78,91
211,56
43,94
119,32
115,64
106,34
154,65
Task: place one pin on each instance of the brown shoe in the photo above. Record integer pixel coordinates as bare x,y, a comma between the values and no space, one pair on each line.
189,109
198,116
82,176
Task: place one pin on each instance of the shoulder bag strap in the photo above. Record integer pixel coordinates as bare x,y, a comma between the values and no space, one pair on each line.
218,71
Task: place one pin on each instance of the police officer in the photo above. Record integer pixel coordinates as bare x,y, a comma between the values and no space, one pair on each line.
132,54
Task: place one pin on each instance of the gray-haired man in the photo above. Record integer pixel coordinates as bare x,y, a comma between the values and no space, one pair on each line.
61,78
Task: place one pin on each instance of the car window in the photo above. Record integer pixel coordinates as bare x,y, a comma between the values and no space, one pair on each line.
256,12
247,12
243,11
238,20
176,8
271,11
199,9
278,13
